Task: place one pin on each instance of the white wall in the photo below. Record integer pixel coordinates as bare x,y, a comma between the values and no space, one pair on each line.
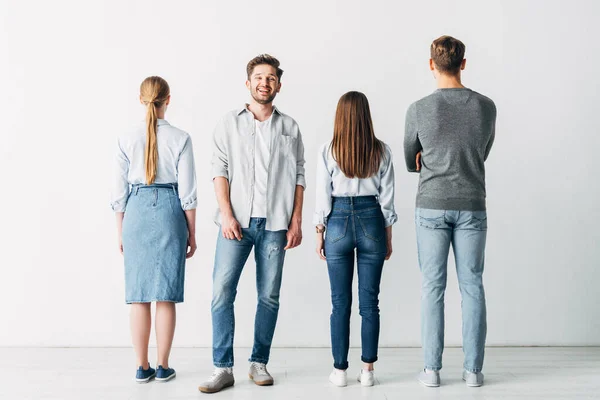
69,78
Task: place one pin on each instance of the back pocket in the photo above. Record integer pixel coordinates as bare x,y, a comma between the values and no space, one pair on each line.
336,229
432,219
373,227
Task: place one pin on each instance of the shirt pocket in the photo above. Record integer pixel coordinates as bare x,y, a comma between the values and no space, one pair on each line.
287,157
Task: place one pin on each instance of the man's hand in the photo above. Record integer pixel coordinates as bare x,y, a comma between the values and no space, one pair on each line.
121,244
294,234
418,161
230,227
321,246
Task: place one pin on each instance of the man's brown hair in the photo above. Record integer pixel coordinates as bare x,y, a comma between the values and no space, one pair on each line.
355,148
447,54
264,59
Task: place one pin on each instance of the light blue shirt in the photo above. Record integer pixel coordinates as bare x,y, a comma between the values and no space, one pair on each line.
331,182
175,164
234,158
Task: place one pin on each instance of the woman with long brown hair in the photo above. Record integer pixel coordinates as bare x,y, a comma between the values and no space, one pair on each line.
354,212
154,199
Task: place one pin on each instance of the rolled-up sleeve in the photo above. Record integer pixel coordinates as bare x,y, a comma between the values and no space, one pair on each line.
386,190
186,176
323,188
120,191
220,161
300,178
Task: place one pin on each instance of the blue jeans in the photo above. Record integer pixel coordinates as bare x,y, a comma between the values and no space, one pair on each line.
355,223
466,231
230,257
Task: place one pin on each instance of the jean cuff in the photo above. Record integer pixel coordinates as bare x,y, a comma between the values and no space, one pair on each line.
259,360
368,360
342,366
228,364
429,367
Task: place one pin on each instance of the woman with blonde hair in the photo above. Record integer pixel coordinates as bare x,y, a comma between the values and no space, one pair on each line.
354,213
155,204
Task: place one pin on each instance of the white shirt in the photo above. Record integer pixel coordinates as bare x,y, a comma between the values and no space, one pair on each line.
262,157
233,159
175,164
331,181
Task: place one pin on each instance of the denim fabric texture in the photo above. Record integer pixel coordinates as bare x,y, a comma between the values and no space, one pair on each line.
230,258
355,224
155,237
466,231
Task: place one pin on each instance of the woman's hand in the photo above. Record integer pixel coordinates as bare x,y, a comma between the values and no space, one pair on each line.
388,237
321,246
191,244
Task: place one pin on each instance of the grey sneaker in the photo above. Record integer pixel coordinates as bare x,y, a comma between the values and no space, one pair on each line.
473,379
220,379
430,379
259,374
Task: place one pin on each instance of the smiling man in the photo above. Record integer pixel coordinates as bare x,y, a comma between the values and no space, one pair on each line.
258,174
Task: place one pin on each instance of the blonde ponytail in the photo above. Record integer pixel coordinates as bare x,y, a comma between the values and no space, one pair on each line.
151,151
154,91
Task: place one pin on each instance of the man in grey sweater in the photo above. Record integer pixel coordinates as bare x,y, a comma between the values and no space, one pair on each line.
448,137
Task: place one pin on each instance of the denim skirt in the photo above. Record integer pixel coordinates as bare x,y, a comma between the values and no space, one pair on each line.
155,237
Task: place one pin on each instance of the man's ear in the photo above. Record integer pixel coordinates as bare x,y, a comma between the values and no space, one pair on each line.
463,64
248,84
431,64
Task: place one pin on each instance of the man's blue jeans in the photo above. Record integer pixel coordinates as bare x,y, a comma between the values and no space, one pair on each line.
466,231
230,257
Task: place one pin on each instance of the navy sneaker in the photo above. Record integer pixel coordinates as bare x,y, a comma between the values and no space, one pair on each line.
164,375
144,375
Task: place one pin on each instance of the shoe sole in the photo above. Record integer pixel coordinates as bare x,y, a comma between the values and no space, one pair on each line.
168,378
337,385
145,380
366,384
429,384
473,384
264,383
209,390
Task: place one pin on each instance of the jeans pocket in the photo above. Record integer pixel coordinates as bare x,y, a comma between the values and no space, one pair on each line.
431,219
372,227
478,221
336,229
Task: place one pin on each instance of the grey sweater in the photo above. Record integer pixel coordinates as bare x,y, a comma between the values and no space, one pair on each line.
454,129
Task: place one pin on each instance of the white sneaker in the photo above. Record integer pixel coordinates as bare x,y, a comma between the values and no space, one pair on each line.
366,378
338,377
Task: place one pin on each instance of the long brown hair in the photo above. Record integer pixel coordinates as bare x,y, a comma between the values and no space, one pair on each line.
354,147
154,92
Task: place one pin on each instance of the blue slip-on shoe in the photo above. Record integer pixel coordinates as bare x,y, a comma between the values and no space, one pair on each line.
145,375
163,375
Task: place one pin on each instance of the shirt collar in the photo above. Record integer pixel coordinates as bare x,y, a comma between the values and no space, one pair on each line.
162,122
245,108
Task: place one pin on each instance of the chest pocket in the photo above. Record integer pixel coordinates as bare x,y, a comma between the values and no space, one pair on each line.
285,166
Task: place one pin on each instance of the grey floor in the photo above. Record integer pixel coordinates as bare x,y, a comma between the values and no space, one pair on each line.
106,373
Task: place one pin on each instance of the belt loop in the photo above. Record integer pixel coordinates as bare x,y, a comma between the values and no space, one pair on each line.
136,190
173,187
